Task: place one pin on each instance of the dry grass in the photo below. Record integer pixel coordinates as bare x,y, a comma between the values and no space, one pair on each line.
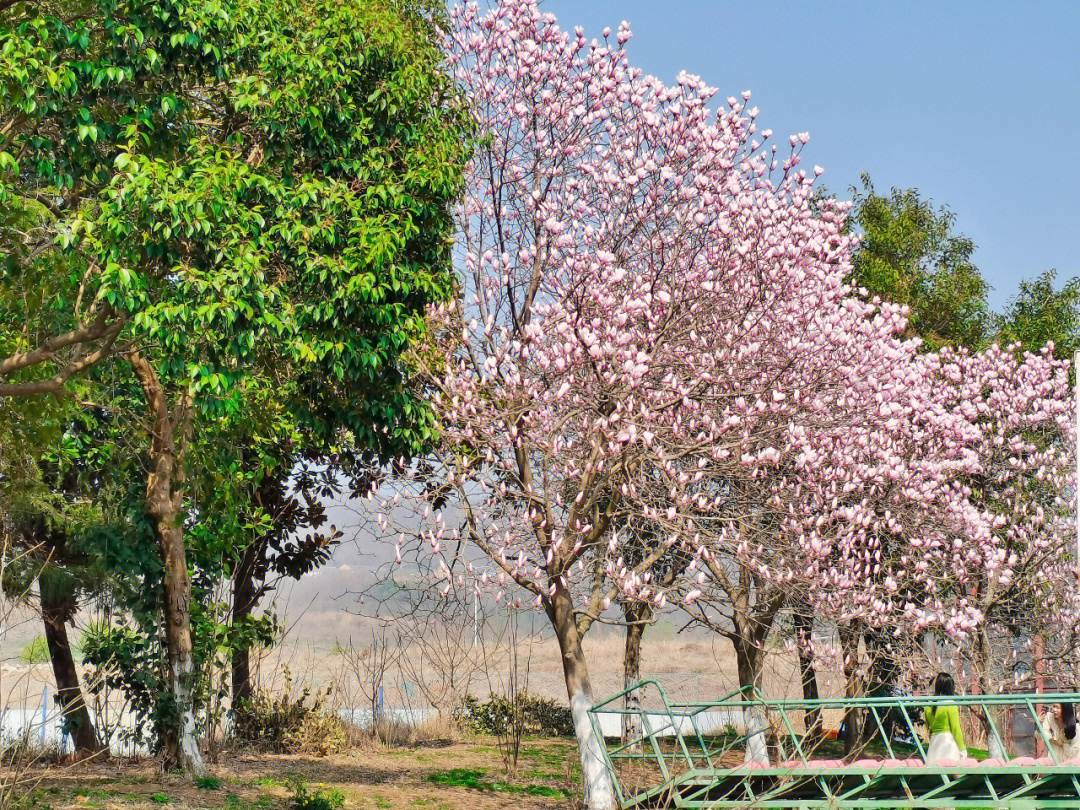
692,667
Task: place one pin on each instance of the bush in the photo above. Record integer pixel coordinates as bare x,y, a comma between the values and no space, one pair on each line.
35,652
303,799
541,717
288,723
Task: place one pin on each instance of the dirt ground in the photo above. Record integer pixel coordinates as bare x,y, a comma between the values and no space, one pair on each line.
459,776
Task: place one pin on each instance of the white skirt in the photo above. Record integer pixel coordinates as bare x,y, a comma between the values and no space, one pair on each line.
942,746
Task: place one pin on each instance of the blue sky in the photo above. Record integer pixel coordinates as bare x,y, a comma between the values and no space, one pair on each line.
976,104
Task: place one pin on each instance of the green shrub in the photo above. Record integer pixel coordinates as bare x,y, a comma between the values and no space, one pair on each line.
303,799
35,652
541,717
208,783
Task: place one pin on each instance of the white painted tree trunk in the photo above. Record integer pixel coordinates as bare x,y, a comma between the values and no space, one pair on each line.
756,729
189,756
996,751
597,780
599,789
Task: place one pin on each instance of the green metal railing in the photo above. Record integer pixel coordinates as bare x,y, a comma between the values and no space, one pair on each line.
695,755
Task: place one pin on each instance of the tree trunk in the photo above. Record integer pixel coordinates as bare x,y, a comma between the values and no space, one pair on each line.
636,614
804,631
988,714
163,503
849,648
749,660
599,787
243,605
269,496
55,613
180,743
884,674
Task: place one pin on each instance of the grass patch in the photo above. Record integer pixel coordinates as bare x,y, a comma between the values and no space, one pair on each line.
543,774
91,793
208,783
234,802
474,780
459,777
555,755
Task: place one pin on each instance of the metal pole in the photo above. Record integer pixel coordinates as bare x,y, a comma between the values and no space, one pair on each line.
44,712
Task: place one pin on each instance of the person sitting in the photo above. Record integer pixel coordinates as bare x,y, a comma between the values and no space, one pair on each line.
943,725
1059,723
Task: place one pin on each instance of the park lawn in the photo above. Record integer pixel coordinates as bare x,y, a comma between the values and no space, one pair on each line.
461,776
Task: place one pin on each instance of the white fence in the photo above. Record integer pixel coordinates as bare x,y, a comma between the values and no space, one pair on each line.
41,726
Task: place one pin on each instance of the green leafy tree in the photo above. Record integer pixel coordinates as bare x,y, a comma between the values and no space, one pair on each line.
259,499
1040,313
910,254
215,189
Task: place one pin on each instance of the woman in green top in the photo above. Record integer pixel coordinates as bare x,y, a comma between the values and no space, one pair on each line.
943,724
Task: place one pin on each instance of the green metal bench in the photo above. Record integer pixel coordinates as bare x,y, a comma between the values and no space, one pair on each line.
693,754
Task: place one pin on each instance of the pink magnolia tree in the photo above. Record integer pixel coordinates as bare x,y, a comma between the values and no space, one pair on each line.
653,326
1021,407
1021,480
833,466
965,539
654,331
992,433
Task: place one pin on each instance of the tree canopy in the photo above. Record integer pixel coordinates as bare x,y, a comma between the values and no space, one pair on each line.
1041,313
219,207
211,208
909,254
